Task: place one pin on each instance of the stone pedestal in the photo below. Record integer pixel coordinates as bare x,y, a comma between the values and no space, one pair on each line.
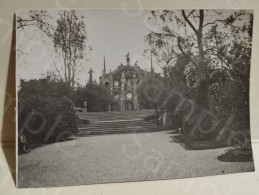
163,115
85,107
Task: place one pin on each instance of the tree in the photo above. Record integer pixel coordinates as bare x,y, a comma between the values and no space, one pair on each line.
209,52
150,93
40,19
182,33
98,97
69,43
68,35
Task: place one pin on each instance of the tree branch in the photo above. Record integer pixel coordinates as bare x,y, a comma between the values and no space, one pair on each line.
214,22
169,60
190,13
184,53
189,22
201,20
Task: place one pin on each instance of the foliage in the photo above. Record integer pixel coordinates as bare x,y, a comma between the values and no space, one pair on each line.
205,56
194,143
150,93
98,97
175,74
46,114
185,40
36,18
237,154
69,42
68,35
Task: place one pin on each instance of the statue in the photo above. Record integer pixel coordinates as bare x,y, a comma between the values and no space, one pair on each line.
128,59
128,82
91,75
85,106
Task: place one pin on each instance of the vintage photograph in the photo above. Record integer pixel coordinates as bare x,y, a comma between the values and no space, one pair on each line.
120,95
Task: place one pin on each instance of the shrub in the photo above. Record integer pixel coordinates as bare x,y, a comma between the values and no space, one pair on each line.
98,97
150,93
45,112
237,154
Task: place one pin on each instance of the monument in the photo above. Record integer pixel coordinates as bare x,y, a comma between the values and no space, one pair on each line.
123,83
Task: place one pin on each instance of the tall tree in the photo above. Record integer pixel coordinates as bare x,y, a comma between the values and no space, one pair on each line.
68,35
215,48
69,42
183,33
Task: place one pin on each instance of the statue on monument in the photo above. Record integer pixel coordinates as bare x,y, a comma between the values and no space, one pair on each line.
91,75
128,59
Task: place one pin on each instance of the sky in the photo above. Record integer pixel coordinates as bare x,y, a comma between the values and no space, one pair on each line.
110,33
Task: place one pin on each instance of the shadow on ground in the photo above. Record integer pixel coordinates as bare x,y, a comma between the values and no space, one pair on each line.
8,127
194,143
35,145
176,138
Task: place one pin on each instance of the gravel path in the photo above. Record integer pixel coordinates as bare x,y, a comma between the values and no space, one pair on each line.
118,158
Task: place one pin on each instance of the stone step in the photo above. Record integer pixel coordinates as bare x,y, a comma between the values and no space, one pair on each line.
109,114
100,116
142,126
115,113
134,121
117,122
117,127
125,111
122,129
109,118
112,115
99,132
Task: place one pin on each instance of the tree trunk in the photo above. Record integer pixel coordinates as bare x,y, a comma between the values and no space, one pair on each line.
203,96
203,91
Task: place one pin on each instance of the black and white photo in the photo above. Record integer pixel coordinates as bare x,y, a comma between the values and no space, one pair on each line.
121,95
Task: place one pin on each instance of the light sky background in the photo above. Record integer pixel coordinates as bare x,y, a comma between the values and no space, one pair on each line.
110,33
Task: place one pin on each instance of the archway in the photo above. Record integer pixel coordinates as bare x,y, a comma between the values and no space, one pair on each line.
116,95
129,106
107,84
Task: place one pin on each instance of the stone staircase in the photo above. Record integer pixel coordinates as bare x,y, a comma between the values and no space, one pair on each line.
117,122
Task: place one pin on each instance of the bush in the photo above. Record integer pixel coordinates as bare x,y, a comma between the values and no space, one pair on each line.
45,112
150,93
194,121
237,154
98,97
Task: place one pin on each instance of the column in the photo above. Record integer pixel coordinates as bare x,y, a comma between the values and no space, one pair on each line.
122,91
